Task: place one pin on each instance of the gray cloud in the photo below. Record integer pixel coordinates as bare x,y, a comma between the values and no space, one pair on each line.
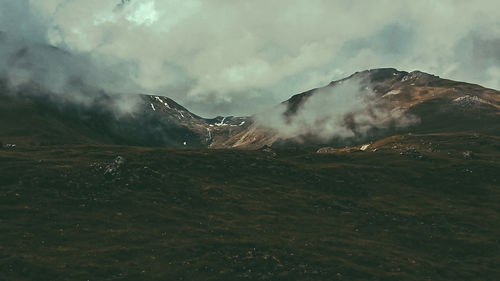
479,58
29,62
233,57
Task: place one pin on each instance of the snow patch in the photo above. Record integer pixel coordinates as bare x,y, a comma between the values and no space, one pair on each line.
392,93
221,123
153,107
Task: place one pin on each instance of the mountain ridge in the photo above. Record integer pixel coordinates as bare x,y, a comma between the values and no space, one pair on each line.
160,121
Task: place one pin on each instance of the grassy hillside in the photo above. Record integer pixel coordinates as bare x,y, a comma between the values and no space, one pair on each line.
27,121
252,215
32,120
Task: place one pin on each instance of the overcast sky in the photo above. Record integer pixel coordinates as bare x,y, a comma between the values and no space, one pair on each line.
221,57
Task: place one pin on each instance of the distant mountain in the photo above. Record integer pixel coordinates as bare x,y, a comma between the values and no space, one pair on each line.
204,132
33,118
436,105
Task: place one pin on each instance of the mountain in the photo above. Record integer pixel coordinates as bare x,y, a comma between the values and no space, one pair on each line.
204,131
30,117
427,104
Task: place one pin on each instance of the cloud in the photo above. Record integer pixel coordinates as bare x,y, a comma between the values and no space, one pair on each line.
29,63
349,109
144,14
230,57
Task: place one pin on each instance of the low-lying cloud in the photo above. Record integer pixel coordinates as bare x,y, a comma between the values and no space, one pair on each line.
349,109
29,64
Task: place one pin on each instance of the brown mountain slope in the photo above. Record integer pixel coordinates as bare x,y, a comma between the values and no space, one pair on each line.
434,104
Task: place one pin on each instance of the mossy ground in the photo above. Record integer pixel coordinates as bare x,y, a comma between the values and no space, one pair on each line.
246,215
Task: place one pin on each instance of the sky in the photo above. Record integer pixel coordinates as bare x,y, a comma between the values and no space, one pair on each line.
232,57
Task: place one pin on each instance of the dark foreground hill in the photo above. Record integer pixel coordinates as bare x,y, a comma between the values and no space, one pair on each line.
411,207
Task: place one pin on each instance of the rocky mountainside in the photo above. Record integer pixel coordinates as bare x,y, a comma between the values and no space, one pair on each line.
429,103
387,97
205,131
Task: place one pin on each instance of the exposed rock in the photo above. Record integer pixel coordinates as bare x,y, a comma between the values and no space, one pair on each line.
113,169
468,154
467,101
413,153
326,150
